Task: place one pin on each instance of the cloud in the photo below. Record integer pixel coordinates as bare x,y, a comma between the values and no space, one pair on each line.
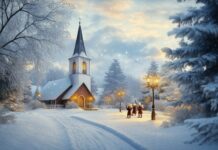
132,31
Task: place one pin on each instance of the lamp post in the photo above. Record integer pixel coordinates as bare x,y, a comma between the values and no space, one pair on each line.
120,94
152,82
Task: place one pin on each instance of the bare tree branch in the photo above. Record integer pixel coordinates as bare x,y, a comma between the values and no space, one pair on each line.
12,15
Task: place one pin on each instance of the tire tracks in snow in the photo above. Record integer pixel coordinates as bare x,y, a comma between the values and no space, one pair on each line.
63,127
117,134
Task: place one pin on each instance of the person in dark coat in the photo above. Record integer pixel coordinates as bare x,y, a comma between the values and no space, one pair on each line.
129,110
134,109
140,110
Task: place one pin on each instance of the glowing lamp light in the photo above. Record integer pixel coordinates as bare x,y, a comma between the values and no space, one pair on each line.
120,94
39,95
152,81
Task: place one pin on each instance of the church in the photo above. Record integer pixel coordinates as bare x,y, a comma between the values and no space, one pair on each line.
77,86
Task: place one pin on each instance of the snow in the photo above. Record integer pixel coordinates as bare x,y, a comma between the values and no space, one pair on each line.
103,129
82,54
55,88
70,92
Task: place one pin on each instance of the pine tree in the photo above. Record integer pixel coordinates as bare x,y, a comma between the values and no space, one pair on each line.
114,80
196,60
94,87
168,89
153,69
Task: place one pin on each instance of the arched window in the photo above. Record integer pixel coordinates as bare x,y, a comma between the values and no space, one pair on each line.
74,67
84,68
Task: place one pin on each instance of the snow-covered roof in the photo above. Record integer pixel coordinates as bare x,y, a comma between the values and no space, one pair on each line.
70,92
55,88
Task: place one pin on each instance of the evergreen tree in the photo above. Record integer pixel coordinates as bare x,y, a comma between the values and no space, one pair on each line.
94,87
196,60
168,89
54,74
114,79
153,69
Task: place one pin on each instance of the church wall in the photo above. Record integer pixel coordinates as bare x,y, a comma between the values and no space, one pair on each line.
82,92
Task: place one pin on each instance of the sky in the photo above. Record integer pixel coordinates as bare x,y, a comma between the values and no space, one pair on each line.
132,31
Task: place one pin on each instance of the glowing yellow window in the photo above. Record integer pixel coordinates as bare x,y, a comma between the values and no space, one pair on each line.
84,68
74,67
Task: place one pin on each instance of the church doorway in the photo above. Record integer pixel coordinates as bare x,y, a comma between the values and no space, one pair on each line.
81,101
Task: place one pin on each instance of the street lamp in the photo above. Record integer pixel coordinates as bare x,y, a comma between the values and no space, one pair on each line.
120,94
152,82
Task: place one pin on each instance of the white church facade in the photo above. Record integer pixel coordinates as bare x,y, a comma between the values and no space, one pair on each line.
77,86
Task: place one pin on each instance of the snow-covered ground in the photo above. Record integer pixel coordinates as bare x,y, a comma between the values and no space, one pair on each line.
89,130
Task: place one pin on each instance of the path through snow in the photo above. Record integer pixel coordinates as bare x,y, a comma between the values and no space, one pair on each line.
84,134
104,129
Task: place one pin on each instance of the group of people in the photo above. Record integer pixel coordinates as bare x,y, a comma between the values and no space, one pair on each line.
133,109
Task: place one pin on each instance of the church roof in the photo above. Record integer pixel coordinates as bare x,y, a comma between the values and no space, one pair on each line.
53,89
79,46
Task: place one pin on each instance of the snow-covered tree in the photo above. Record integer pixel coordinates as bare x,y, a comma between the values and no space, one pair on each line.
27,93
168,89
153,69
114,80
133,89
54,74
195,63
196,60
94,87
29,31
206,130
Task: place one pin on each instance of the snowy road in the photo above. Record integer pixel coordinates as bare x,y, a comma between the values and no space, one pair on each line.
84,134
105,129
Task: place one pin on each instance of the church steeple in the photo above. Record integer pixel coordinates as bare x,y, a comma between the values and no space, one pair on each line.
79,46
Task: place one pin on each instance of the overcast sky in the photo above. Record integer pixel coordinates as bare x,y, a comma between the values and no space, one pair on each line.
132,31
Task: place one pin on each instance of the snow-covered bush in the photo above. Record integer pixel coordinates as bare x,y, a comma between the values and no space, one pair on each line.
4,117
35,104
184,111
160,105
12,103
206,130
71,105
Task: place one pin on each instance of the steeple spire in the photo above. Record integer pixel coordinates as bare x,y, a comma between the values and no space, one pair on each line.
79,46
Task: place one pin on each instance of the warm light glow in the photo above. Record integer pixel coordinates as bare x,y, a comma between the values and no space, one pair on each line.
74,67
120,93
107,100
74,97
38,95
90,98
84,67
152,81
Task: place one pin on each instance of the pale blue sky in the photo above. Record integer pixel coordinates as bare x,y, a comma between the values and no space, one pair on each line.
132,31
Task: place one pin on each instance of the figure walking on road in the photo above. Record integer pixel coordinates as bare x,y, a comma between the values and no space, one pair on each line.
140,110
129,110
134,109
